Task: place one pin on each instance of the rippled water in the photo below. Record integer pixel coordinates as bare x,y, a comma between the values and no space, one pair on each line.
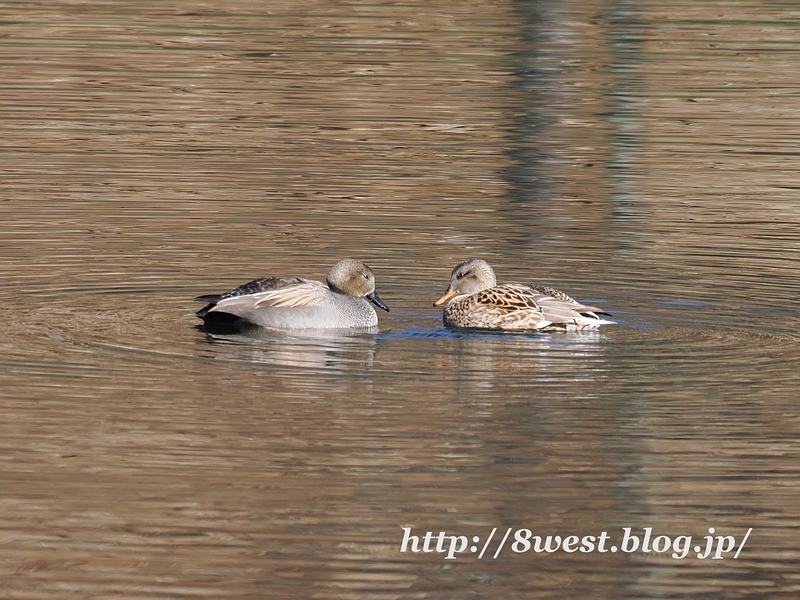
641,157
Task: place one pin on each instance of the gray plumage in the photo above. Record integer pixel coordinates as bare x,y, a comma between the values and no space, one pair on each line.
343,302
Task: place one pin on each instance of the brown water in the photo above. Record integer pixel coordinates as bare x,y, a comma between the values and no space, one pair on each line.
639,156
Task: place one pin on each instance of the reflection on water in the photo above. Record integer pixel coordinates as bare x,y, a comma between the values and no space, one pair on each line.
631,155
308,349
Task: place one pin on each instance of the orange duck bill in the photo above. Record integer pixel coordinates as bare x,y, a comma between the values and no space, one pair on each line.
450,293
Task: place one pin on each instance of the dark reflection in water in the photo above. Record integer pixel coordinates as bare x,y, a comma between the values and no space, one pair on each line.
631,155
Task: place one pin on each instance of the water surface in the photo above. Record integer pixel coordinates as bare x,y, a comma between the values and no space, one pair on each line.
639,158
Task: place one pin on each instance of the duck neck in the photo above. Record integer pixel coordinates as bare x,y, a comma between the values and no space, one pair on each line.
334,288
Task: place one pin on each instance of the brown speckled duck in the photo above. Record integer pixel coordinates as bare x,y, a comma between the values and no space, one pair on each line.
474,300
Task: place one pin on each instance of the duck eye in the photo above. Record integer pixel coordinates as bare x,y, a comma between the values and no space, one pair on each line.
366,276
462,275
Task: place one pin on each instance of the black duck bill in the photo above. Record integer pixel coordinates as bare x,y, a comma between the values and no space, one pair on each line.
375,299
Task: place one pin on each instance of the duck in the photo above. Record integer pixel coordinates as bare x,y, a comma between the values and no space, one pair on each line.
342,302
474,300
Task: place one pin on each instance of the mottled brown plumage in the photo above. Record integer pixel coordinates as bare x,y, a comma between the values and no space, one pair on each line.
474,300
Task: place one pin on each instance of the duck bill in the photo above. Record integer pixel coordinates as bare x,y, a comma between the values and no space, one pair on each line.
450,293
373,297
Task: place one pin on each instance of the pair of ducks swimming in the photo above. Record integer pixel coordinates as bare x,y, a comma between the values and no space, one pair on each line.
474,300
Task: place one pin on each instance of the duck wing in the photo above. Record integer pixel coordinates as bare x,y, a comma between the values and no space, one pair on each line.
508,297
305,293
245,298
509,306
571,316
591,311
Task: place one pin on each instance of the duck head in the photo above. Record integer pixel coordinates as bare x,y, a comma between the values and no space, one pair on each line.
354,278
469,277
